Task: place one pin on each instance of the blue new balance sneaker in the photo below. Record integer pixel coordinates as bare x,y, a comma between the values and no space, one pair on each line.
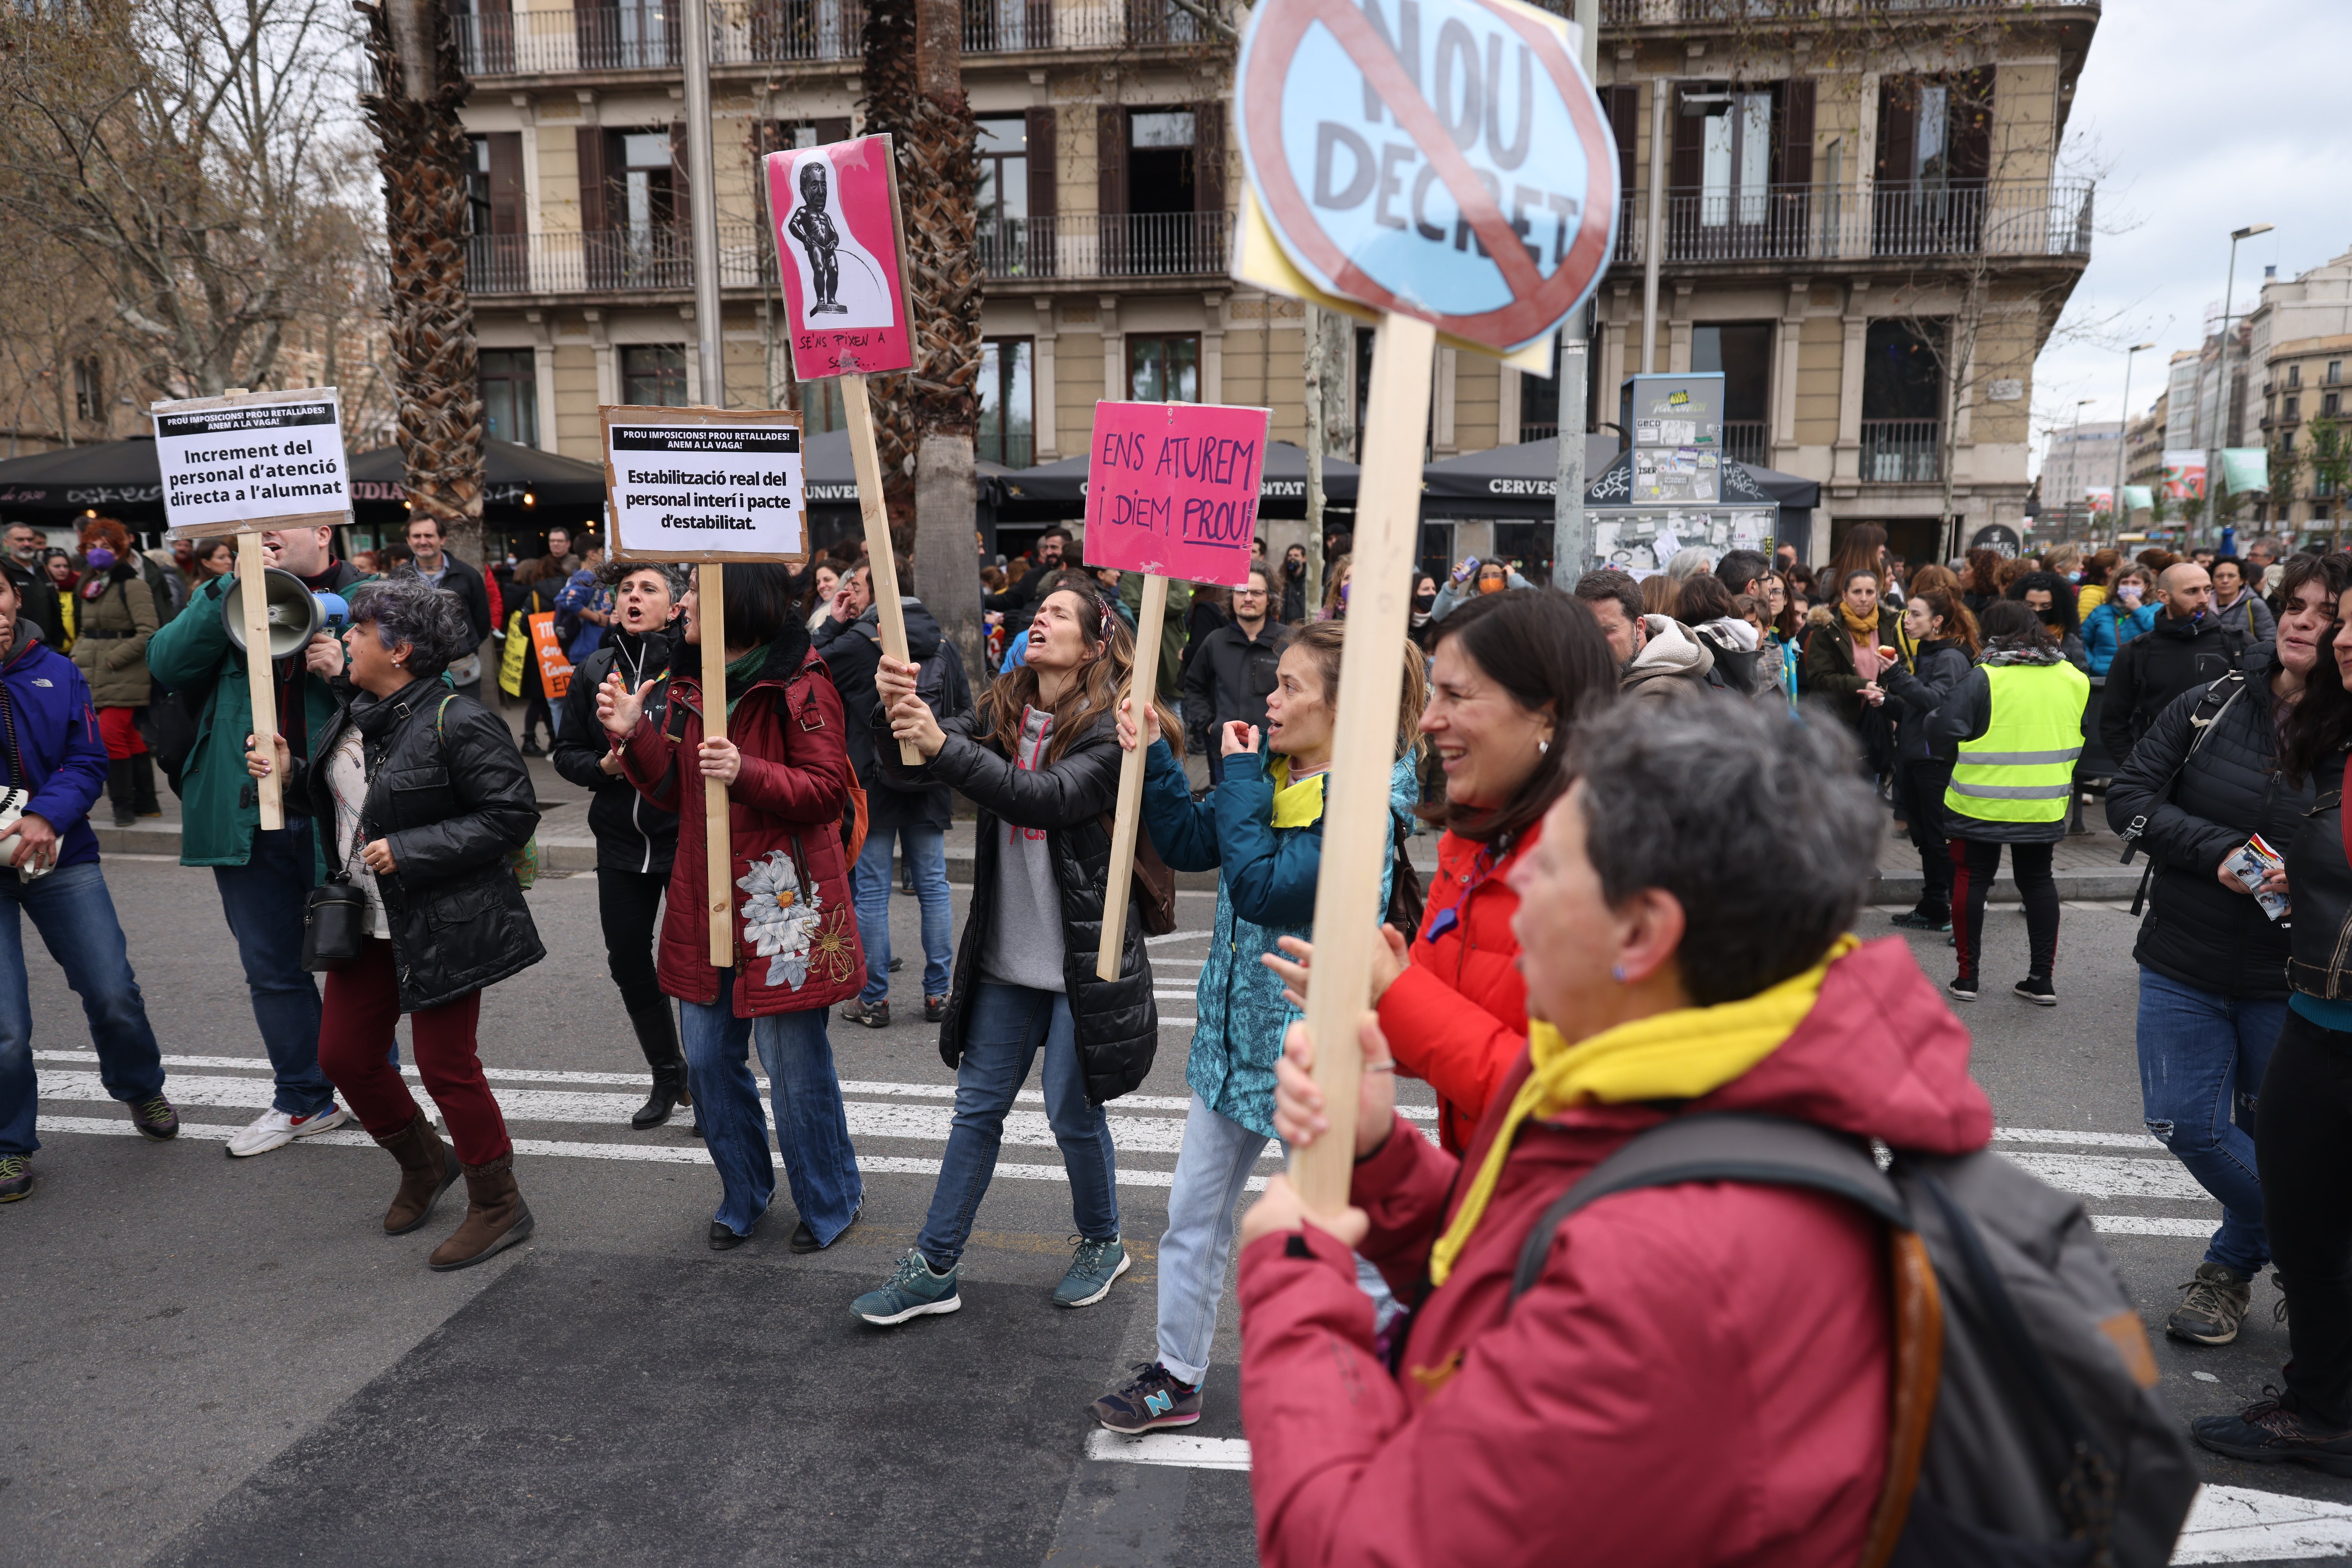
912,1291
1154,1398
1097,1263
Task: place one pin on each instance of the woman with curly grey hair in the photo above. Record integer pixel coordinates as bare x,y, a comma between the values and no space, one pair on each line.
429,800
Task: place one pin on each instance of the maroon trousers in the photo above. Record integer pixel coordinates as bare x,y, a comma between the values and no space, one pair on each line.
355,1038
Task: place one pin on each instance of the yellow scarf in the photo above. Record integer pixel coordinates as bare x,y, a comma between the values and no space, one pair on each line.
1858,624
1296,805
1681,1054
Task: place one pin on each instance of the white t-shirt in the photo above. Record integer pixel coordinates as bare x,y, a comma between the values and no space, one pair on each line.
347,782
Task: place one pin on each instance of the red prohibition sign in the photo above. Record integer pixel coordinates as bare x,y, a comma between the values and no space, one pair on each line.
1537,302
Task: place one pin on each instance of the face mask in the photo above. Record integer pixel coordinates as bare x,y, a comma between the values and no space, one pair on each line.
1422,601
101,558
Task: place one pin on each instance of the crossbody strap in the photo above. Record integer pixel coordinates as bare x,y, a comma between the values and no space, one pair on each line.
2208,713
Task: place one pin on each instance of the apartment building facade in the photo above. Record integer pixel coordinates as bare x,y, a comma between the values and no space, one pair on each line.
1862,227
2299,342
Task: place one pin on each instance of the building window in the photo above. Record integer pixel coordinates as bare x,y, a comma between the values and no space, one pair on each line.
509,379
1742,352
2331,403
1538,405
2335,372
1159,161
477,188
2294,375
654,375
1007,434
1164,368
1004,172
89,392
2295,408
1735,155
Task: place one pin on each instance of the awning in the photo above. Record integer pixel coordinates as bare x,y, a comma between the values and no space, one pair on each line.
512,476
1519,481
113,479
1057,491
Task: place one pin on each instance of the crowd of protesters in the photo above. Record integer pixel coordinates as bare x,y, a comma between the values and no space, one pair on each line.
1621,771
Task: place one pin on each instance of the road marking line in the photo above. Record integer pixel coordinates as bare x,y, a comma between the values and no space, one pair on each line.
2086,1140
1169,1448
2104,1176
2238,1524
1178,936
850,1087
657,1153
2149,1224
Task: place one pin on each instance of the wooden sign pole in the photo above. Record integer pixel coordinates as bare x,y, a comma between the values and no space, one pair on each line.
882,565
1363,745
1141,684
718,851
252,573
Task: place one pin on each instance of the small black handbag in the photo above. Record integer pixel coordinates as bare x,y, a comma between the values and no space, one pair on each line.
334,922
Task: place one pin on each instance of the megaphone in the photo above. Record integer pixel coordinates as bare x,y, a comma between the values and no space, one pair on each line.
294,613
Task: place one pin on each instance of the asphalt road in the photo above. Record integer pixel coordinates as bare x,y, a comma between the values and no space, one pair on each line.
226,1362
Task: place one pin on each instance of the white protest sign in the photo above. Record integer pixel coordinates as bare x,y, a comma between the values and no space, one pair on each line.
706,484
246,461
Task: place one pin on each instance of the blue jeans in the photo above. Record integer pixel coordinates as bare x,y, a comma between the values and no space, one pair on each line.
927,852
262,901
1002,1035
2202,1057
71,911
811,1127
1212,1170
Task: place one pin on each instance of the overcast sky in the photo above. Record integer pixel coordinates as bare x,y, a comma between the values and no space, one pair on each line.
2206,118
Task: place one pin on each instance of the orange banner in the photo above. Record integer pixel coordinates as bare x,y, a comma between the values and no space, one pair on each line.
554,669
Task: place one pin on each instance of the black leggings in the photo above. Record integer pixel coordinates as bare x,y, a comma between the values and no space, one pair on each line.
628,903
1974,862
536,712
1919,790
2303,1148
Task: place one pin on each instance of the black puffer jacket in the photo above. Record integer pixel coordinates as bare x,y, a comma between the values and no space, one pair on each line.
2319,879
1230,677
632,833
2157,667
1916,694
2197,932
1117,1022
853,652
447,788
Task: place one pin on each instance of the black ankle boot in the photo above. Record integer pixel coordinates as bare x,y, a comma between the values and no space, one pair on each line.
118,794
657,1037
143,786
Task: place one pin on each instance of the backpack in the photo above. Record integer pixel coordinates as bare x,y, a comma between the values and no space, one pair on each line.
1407,902
2026,1429
523,862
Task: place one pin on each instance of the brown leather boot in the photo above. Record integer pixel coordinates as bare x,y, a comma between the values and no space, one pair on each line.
428,1169
496,1217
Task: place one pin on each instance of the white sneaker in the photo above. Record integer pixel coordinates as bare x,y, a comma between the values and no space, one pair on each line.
274,1129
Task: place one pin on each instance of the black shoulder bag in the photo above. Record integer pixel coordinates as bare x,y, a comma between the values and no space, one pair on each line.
335,915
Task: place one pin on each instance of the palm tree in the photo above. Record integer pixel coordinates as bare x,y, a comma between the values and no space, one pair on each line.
889,49
421,149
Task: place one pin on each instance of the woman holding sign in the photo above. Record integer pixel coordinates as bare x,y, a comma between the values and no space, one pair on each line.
785,763
1040,755
1263,828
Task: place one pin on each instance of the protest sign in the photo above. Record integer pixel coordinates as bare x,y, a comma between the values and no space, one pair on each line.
1478,198
1171,492
249,460
840,251
239,464
554,668
707,486
1172,489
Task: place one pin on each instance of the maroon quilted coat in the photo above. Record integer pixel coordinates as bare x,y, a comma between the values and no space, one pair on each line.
795,925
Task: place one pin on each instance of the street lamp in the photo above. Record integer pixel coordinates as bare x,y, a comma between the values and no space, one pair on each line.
2123,436
2222,411
2075,472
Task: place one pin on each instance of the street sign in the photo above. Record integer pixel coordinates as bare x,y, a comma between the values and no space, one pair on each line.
1453,166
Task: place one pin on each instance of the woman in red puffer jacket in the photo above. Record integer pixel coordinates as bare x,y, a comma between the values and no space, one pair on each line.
1512,671
785,762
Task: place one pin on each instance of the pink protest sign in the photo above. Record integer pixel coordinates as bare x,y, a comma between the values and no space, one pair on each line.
841,258
1171,489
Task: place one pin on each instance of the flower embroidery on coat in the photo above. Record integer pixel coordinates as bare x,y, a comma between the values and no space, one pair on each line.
780,919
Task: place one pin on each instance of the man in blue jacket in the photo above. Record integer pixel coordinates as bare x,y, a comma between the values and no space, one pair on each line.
52,766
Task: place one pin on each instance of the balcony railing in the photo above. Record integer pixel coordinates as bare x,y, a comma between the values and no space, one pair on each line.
644,35
1743,441
1128,245
1902,451
613,260
1635,12
1136,245
1855,222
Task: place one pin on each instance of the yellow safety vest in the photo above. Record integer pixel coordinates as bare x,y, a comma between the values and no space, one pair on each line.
2022,768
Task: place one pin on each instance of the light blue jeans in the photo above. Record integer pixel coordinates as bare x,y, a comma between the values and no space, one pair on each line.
812,1129
1213,1173
71,909
2201,1059
926,849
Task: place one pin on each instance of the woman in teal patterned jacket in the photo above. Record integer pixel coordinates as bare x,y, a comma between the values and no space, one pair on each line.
1263,828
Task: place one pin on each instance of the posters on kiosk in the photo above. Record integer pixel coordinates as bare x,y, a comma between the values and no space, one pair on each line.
706,484
844,261
1171,489
232,464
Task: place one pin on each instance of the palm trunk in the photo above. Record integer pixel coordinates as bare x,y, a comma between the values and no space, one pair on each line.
888,44
422,151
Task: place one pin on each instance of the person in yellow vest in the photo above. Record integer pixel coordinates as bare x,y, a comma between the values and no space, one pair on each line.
2018,721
